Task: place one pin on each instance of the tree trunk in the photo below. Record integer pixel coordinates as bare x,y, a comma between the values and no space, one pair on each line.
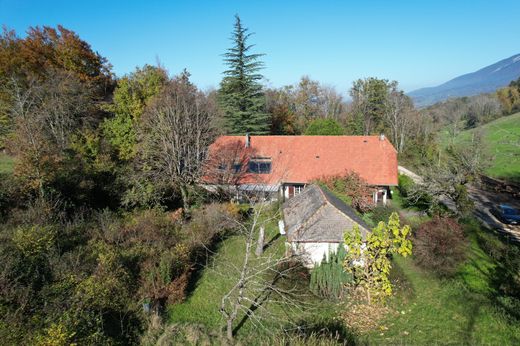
185,198
229,329
260,245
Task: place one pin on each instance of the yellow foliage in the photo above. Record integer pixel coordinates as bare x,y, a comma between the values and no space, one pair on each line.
34,241
368,261
55,335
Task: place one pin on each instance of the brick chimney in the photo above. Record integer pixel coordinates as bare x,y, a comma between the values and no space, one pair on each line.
248,140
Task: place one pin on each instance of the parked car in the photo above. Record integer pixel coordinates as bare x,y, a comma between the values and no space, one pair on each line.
506,214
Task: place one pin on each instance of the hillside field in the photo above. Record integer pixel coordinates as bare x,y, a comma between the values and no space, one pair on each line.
503,143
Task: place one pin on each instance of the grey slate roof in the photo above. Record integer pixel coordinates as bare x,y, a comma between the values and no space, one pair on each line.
316,215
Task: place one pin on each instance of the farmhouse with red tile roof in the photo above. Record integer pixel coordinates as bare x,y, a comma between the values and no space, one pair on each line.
288,163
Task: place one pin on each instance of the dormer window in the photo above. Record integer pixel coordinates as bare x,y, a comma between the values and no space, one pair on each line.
237,167
259,165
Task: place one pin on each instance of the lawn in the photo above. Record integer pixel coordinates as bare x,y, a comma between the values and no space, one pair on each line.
6,163
502,137
465,310
425,310
202,304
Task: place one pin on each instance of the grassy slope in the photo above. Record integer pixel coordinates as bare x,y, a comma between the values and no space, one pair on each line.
463,310
503,139
202,305
6,163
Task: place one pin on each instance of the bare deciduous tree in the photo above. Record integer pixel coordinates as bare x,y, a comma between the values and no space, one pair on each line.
45,115
257,280
445,182
175,135
399,117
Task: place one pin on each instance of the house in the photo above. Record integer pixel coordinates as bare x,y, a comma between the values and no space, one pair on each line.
315,221
286,164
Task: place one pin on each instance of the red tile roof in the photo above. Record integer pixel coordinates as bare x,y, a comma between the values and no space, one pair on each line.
301,159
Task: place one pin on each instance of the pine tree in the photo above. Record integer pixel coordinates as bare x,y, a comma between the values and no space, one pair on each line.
240,93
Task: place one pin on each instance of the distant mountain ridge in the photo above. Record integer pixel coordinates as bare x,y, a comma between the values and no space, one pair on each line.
485,80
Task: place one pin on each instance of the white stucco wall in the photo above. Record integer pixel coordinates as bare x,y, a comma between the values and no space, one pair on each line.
313,253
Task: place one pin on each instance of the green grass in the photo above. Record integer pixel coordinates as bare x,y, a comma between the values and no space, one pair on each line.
502,137
202,305
462,310
467,309
6,163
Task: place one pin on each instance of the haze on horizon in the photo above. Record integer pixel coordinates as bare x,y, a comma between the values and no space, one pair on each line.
335,42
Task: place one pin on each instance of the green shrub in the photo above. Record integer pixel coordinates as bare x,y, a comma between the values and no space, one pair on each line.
381,213
410,196
406,185
328,279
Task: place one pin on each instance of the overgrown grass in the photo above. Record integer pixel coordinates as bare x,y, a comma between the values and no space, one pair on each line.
202,304
502,136
6,163
462,310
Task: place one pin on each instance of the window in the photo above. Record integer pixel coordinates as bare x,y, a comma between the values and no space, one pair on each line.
298,189
259,166
237,167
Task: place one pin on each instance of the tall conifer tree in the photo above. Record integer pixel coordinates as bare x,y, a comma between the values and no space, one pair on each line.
240,93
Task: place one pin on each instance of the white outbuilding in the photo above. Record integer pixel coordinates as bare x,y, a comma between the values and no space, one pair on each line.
315,222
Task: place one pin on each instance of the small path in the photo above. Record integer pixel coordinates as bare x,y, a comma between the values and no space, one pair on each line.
415,177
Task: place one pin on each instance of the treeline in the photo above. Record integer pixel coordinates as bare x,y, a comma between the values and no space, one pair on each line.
468,112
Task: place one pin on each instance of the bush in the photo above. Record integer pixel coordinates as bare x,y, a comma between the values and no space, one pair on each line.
329,278
412,198
405,185
352,189
210,221
381,213
440,246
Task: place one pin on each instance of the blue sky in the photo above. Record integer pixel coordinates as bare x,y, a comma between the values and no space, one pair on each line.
418,43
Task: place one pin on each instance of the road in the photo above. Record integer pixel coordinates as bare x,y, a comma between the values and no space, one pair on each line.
485,197
484,200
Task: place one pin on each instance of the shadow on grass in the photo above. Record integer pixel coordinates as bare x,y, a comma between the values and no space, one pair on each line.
291,281
497,283
203,257
270,242
255,305
324,331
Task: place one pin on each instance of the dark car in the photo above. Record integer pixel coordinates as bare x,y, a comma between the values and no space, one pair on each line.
507,214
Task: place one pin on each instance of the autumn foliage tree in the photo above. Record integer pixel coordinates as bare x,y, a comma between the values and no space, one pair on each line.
440,246
43,53
63,49
46,115
369,260
352,188
132,94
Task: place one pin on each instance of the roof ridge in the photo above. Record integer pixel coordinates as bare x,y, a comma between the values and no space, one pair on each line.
310,136
353,217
